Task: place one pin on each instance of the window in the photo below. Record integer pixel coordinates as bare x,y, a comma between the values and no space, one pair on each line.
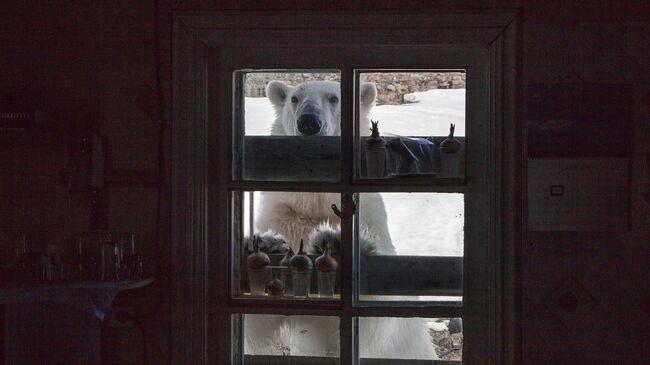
378,151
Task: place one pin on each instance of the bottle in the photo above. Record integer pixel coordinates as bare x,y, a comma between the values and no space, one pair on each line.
256,263
301,267
375,153
450,144
450,159
326,268
287,276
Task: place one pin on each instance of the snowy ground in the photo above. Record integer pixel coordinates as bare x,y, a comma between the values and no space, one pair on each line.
419,224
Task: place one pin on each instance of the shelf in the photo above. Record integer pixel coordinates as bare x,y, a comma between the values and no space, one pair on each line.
41,292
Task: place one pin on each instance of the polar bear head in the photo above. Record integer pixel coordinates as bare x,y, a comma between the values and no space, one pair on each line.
314,108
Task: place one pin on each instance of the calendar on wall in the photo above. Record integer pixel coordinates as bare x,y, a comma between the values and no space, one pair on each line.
578,194
578,156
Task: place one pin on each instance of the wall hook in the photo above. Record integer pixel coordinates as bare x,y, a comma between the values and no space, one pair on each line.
348,206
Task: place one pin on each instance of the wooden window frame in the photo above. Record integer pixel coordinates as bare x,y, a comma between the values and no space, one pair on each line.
200,307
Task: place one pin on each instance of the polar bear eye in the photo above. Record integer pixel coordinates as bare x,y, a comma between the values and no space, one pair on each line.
334,99
294,99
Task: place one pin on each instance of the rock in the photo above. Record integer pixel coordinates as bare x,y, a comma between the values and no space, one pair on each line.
392,86
455,326
457,84
409,98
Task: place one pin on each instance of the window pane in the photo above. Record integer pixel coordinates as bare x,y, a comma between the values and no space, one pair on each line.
414,112
275,223
276,339
409,338
420,237
287,125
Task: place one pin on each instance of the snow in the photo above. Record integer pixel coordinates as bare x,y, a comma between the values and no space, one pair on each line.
425,224
429,115
439,326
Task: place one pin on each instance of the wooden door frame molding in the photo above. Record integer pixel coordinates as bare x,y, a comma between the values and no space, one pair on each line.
195,38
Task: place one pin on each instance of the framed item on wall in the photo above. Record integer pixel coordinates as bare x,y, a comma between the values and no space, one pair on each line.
578,156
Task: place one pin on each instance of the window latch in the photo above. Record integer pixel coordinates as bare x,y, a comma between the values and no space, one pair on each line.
348,206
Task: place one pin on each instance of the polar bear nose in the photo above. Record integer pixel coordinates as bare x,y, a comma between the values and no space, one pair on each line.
309,124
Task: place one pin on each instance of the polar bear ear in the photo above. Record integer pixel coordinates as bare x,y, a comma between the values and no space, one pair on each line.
368,93
277,92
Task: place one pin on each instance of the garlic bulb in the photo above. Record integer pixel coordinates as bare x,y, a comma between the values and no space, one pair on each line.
257,260
326,262
275,287
451,144
287,258
301,262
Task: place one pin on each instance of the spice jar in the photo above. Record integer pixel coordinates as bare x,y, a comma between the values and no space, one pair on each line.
287,275
326,268
450,159
375,153
256,263
301,268
275,286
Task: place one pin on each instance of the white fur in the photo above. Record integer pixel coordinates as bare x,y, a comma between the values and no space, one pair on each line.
309,216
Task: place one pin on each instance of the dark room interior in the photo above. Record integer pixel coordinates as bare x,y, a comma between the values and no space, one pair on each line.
117,208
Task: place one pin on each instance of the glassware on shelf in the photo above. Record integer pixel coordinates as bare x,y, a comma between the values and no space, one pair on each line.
90,256
275,286
287,276
256,263
110,259
132,263
375,153
20,263
51,263
301,267
27,264
450,159
85,263
80,261
326,269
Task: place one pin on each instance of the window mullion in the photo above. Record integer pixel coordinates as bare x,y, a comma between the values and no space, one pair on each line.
347,349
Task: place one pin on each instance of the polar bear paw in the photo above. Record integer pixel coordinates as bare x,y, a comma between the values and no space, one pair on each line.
326,235
269,242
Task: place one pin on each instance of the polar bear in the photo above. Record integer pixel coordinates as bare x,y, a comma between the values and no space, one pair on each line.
310,109
313,109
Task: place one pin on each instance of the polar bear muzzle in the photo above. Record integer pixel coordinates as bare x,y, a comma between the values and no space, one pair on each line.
309,124
310,117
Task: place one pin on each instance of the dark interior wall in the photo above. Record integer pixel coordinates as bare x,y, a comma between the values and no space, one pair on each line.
602,269
94,63
91,65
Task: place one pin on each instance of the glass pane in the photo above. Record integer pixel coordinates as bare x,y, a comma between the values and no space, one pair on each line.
399,339
406,121
287,125
268,230
275,339
411,246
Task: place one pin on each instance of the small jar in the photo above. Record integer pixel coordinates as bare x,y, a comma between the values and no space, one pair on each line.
450,159
375,153
275,286
287,276
326,268
301,268
256,264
